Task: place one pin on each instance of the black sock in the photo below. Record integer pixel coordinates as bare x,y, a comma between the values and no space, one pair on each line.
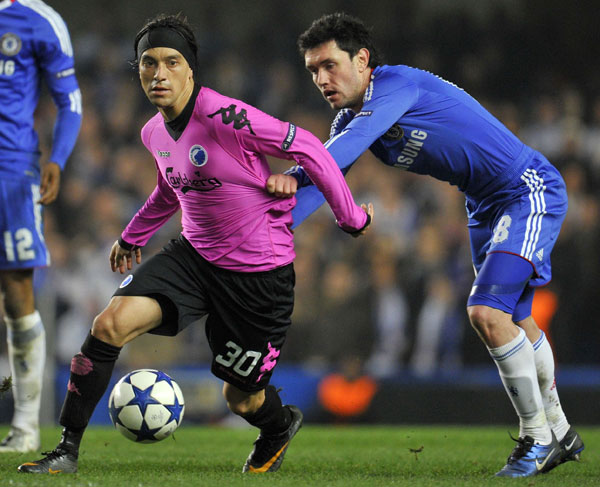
70,440
272,418
90,374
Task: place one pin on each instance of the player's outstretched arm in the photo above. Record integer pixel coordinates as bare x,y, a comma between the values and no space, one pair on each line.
122,259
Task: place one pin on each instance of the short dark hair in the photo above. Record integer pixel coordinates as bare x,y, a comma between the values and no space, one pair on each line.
179,23
349,33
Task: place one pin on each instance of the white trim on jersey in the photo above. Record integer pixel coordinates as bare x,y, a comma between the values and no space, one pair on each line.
37,210
369,92
75,97
55,21
538,210
5,4
333,139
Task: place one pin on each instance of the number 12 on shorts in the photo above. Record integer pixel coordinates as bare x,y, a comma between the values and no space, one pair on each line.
18,247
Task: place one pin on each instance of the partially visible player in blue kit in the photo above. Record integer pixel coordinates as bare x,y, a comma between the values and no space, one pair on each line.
516,202
35,47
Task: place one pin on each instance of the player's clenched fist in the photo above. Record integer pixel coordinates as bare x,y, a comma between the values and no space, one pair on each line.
282,185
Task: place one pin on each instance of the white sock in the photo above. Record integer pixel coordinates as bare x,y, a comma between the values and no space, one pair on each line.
27,355
544,364
515,362
429,334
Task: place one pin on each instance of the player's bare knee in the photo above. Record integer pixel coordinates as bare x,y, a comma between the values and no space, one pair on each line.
481,318
106,327
17,287
478,315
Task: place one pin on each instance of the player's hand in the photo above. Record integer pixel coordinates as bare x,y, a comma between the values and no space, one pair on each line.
282,185
50,183
369,211
122,259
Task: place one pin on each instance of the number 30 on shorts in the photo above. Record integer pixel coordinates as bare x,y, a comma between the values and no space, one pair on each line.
239,362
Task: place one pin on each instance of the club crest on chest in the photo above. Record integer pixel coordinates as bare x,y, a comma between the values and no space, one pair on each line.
198,155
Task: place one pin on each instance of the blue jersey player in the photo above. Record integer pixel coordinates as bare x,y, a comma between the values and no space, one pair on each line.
516,201
34,47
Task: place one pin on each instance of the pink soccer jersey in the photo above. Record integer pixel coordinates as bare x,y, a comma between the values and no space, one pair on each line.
216,172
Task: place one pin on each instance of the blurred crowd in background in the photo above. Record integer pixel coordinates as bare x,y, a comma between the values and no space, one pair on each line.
391,301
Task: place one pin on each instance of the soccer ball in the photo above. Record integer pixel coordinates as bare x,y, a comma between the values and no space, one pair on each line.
146,405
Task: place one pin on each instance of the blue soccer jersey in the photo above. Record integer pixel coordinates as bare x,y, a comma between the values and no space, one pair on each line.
35,47
416,121
419,122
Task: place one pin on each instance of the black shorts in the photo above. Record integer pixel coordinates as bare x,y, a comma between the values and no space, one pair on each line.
248,312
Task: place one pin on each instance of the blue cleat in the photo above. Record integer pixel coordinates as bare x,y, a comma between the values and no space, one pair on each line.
529,458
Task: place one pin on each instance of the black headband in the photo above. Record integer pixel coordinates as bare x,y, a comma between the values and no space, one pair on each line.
166,37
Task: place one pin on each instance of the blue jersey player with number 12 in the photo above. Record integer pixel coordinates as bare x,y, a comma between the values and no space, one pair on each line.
516,202
35,47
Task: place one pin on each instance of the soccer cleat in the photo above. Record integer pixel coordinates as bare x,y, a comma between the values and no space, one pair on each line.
529,458
20,441
571,447
268,451
59,460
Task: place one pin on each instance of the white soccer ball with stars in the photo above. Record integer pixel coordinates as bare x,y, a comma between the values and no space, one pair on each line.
146,405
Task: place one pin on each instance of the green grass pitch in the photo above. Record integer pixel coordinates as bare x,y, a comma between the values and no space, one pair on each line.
318,456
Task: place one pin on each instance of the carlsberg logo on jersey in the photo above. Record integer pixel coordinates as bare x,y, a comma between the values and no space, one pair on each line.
412,149
186,183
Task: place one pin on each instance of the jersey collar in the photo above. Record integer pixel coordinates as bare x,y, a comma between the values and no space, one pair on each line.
6,3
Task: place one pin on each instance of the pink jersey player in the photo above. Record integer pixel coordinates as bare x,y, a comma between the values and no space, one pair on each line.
216,173
231,267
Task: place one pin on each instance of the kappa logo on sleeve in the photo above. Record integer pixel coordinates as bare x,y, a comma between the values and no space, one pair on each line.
229,115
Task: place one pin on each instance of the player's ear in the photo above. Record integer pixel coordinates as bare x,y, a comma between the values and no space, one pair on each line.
362,57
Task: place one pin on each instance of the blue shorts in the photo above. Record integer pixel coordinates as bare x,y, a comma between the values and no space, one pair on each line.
524,220
503,283
22,243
